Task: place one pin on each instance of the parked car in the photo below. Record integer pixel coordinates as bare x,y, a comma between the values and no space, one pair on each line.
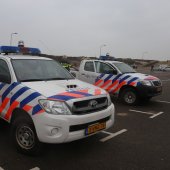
44,103
162,67
156,68
120,80
166,68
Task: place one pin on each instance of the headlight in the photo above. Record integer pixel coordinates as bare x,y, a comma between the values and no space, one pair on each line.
109,99
55,107
146,82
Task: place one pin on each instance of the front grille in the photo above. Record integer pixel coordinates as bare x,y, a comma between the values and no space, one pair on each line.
157,83
84,126
85,106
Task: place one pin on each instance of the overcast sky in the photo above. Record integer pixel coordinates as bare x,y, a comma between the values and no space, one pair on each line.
129,28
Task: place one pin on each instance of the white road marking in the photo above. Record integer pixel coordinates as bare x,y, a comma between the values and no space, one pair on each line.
148,113
107,132
163,101
112,135
155,115
1,168
36,168
138,111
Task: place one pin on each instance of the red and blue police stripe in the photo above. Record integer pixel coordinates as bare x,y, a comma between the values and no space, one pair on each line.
21,97
18,95
68,95
113,83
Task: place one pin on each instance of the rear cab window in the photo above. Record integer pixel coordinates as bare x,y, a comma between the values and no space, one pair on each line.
89,66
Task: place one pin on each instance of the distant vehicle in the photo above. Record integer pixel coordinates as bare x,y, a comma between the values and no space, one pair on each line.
166,68
156,68
162,66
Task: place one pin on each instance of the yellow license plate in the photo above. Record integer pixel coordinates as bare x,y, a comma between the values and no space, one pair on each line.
95,128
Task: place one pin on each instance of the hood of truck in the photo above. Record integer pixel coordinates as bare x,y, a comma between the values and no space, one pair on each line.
57,87
142,76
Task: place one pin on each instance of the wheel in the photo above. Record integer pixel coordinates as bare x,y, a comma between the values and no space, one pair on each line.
129,96
24,136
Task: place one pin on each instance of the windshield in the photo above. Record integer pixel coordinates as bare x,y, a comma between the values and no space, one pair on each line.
39,70
124,68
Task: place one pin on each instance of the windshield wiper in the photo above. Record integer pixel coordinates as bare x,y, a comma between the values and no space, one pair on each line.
57,78
130,72
27,80
48,79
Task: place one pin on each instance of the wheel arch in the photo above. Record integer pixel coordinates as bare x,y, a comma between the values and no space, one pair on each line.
126,87
17,112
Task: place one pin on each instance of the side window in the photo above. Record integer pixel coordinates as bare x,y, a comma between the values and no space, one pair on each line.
89,66
104,68
4,70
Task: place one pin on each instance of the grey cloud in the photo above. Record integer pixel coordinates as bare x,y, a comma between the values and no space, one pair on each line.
77,27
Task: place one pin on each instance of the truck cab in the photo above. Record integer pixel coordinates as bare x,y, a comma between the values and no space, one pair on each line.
120,80
44,103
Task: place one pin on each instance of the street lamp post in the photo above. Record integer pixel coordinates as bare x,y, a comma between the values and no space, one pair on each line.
14,33
103,45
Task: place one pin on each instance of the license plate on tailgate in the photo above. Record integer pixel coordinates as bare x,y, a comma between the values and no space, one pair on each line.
95,128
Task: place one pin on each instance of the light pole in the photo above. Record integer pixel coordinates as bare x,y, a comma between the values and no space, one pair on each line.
103,45
14,33
144,54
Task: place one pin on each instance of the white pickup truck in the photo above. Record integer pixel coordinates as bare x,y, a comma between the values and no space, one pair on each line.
44,103
119,79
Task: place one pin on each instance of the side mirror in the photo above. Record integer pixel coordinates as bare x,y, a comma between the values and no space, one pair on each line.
5,79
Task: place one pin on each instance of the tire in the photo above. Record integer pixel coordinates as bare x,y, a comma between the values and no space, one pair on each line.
129,96
24,136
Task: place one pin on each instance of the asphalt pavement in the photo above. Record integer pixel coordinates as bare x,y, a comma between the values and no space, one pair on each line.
139,140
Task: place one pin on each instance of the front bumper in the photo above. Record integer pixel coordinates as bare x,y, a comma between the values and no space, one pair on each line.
65,128
149,91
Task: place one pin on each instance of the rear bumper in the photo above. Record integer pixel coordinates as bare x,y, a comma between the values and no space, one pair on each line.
149,91
65,128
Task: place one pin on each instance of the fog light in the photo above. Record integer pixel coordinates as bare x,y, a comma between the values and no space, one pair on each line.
54,131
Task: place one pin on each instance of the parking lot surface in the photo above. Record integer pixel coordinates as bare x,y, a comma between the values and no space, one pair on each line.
139,140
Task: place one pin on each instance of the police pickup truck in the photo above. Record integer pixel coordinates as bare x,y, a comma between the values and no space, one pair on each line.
119,79
44,103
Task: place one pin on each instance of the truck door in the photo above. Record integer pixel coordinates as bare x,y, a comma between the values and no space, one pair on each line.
4,87
88,74
105,74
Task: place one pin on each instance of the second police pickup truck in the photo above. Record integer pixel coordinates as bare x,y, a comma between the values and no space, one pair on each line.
119,79
44,103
